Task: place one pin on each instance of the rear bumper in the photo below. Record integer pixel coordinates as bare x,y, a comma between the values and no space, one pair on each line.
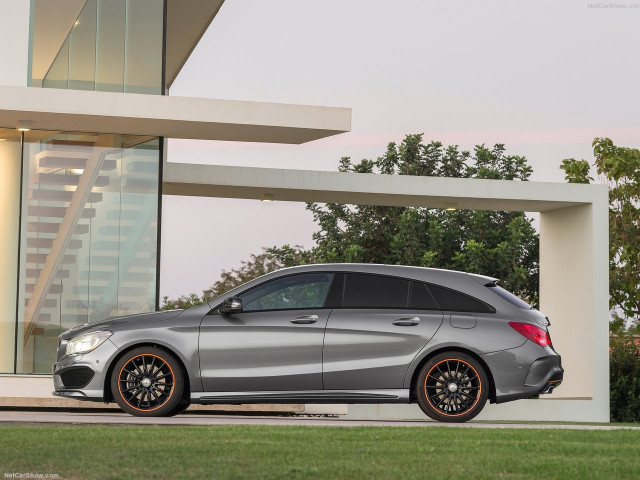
545,374
524,372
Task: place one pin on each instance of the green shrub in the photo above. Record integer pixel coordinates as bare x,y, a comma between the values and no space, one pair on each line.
624,367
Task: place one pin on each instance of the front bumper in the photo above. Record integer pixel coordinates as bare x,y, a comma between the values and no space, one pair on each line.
83,376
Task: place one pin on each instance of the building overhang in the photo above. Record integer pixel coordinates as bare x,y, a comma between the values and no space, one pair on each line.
373,189
170,117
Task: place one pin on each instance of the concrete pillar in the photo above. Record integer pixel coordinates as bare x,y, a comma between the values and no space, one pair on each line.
9,240
14,37
574,285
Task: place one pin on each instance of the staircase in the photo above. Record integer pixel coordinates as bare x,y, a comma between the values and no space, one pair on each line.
90,235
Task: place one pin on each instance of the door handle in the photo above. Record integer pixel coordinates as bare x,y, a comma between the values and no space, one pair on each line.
407,321
305,319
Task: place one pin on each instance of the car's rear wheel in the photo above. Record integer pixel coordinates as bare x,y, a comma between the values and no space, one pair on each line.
452,387
148,382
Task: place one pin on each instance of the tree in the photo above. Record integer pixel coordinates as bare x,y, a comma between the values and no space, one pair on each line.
256,266
496,243
619,169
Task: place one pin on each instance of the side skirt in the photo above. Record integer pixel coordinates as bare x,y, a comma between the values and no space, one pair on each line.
305,396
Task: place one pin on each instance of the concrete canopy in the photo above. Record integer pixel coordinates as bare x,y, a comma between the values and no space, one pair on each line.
170,117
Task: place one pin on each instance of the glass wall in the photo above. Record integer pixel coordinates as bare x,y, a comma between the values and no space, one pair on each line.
89,235
112,45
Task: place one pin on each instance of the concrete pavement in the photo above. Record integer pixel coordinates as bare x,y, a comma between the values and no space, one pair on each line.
50,417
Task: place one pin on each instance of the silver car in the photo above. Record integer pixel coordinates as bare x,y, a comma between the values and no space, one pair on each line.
332,333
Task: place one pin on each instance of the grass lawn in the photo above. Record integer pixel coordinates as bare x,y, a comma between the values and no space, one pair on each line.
264,452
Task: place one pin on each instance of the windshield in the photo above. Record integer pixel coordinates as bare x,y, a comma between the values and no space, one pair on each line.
510,297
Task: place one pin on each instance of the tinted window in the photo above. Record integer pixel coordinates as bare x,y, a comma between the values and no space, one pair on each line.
294,292
509,297
421,298
448,299
373,291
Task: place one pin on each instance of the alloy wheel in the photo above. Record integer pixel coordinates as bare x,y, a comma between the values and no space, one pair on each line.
146,382
452,387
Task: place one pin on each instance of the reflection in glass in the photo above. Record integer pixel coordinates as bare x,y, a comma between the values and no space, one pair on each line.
113,45
82,50
91,235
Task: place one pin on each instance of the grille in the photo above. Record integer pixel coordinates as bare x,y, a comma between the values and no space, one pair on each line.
77,377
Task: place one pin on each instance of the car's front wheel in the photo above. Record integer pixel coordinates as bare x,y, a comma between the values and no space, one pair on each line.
148,382
452,387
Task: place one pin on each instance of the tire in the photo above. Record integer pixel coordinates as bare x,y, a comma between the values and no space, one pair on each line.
148,382
452,387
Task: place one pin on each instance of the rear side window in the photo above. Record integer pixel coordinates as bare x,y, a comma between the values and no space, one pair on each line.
448,299
509,297
374,291
421,298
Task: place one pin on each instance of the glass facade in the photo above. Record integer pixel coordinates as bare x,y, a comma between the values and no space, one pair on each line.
86,209
88,237
113,45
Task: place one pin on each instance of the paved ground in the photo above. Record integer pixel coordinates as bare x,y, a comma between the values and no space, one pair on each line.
116,418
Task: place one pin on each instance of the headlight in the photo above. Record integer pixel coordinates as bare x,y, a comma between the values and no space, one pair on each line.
87,341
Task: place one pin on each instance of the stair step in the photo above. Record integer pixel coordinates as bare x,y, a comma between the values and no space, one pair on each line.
48,302
139,185
42,257
105,245
117,230
53,289
103,260
49,159
139,277
60,195
96,275
65,179
74,319
35,273
47,227
35,242
130,215
142,167
70,144
75,304
57,212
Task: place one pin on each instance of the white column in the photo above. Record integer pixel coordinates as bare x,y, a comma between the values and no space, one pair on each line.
9,226
14,37
574,286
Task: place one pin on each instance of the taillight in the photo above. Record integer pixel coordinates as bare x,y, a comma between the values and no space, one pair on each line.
533,333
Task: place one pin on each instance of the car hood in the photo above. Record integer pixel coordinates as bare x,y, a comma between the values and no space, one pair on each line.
124,320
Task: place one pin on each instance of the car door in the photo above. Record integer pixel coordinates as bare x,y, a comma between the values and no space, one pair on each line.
382,324
275,343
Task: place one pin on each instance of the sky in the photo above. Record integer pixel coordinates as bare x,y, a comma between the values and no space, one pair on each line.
542,77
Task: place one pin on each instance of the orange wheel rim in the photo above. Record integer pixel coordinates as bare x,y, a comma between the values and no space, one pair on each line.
452,387
146,382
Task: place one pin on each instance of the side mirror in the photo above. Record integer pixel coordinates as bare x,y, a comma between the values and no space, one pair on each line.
231,305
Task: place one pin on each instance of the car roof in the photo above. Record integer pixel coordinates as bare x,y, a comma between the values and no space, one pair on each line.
417,273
